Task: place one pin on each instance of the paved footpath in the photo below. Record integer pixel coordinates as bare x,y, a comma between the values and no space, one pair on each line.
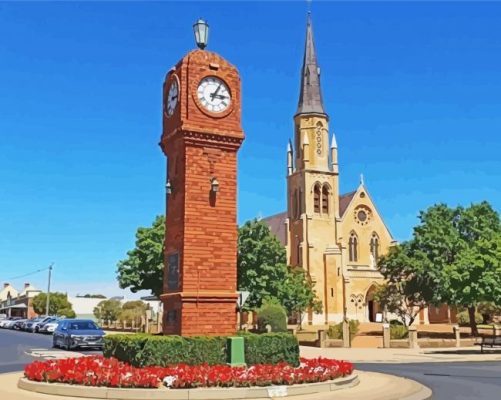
399,356
373,386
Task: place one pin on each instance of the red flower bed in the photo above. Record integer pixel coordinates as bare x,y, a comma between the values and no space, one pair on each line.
100,371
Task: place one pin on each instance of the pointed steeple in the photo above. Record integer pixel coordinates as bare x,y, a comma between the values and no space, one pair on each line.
310,94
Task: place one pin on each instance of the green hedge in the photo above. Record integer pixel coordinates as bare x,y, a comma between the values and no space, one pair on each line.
144,350
336,331
271,348
398,332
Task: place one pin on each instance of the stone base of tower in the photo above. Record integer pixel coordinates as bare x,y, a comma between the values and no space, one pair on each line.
200,314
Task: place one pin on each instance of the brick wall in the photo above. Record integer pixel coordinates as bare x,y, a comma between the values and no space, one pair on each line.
201,225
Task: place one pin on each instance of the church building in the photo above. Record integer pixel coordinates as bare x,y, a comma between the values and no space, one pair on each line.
335,237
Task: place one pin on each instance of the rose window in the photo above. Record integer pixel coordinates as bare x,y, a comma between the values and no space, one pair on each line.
363,215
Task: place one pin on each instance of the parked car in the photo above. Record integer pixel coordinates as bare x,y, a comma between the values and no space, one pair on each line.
37,325
18,325
50,326
28,325
73,333
9,323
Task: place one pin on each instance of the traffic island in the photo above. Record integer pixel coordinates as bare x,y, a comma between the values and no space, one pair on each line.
65,390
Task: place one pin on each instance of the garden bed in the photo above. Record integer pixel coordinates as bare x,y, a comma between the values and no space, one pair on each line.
97,371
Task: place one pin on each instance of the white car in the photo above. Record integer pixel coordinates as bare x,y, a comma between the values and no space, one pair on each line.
49,327
9,323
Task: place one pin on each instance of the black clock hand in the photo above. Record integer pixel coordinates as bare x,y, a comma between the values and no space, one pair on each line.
216,92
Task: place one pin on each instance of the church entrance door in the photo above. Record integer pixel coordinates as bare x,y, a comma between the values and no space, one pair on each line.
374,313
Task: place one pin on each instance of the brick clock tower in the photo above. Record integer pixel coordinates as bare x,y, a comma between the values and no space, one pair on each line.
201,136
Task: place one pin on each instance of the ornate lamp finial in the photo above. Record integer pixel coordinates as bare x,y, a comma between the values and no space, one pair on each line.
201,31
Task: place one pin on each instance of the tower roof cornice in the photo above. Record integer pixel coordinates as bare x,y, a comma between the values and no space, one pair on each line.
310,94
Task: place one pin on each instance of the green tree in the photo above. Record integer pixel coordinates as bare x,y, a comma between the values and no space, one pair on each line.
409,283
133,311
59,304
108,310
297,295
93,296
272,313
462,247
261,263
144,265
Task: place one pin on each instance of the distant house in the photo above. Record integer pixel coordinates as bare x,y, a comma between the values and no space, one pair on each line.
18,304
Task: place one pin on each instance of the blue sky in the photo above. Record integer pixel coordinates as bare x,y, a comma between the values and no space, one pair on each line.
412,89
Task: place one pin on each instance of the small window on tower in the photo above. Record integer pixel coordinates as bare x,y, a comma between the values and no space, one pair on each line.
325,200
316,199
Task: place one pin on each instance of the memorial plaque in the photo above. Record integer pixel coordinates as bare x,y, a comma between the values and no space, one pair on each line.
171,317
173,271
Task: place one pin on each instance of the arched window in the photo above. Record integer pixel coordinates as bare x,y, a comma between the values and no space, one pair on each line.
353,247
294,204
374,246
300,203
316,199
325,200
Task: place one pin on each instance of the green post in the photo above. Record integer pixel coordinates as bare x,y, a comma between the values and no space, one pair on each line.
236,353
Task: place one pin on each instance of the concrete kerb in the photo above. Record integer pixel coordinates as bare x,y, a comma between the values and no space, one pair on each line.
66,390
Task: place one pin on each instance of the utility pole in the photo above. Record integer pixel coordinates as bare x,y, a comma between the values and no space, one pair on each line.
48,292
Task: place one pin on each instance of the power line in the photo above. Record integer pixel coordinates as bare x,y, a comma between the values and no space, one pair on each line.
28,274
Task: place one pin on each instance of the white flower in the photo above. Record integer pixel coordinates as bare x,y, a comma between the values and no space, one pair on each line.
169,381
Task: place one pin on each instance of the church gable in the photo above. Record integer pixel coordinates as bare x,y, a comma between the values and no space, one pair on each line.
363,231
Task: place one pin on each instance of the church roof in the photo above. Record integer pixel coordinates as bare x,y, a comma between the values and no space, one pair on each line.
310,94
276,222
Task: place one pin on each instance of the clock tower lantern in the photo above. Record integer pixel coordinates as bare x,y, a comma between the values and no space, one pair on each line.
201,136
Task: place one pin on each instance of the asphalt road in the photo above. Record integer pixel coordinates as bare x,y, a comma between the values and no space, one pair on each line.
15,344
449,381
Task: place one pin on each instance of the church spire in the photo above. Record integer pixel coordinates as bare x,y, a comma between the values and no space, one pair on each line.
310,95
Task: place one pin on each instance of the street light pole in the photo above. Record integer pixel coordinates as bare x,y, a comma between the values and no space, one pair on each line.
48,292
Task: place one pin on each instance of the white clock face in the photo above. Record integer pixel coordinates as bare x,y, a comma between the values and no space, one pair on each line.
172,98
213,94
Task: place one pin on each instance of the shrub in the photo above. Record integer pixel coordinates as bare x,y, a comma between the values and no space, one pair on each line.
273,315
398,332
146,350
336,331
464,319
271,348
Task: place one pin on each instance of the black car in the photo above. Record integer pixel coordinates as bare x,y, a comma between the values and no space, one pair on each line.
73,333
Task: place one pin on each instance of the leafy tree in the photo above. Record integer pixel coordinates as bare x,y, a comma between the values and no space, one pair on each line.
66,312
143,267
409,283
108,310
272,313
463,249
297,294
93,296
133,311
59,304
261,263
